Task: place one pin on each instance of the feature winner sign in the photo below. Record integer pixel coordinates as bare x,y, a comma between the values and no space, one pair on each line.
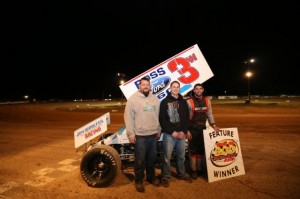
188,67
91,130
223,154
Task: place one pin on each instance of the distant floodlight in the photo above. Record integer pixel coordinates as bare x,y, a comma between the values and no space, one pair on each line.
249,61
248,74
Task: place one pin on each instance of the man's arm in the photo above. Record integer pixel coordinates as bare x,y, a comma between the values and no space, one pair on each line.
129,121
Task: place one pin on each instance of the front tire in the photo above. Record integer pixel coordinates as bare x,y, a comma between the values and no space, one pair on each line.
100,166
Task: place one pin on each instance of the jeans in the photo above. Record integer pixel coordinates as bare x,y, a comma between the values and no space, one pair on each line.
169,143
145,157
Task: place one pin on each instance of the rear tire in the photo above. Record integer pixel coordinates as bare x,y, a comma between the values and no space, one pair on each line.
100,166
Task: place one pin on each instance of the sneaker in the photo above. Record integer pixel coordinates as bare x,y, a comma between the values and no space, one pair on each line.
139,187
165,182
155,182
186,178
194,175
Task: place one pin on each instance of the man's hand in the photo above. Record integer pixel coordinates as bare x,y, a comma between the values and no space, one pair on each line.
132,139
158,134
189,135
216,128
179,135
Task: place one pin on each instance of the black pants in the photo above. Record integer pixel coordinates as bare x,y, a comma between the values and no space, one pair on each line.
196,144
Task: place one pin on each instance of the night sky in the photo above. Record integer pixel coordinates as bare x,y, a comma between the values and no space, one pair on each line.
74,50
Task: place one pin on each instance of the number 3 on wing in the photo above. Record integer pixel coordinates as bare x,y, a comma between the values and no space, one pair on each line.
184,70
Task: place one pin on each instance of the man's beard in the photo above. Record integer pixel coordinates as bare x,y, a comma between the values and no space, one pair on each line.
198,96
146,92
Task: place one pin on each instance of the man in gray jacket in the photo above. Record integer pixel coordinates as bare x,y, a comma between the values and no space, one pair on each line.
143,130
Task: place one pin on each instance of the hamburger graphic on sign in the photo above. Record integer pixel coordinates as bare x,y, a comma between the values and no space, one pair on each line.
224,152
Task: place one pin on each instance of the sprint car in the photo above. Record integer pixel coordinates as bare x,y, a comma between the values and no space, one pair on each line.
102,160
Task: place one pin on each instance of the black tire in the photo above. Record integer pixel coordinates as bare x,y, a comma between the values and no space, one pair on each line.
100,166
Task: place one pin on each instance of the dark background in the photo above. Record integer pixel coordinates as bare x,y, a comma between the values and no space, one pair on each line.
74,50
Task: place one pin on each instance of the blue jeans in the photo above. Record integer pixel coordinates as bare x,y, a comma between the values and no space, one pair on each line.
169,143
145,156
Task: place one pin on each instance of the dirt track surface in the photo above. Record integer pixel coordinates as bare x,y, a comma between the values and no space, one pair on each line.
38,158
